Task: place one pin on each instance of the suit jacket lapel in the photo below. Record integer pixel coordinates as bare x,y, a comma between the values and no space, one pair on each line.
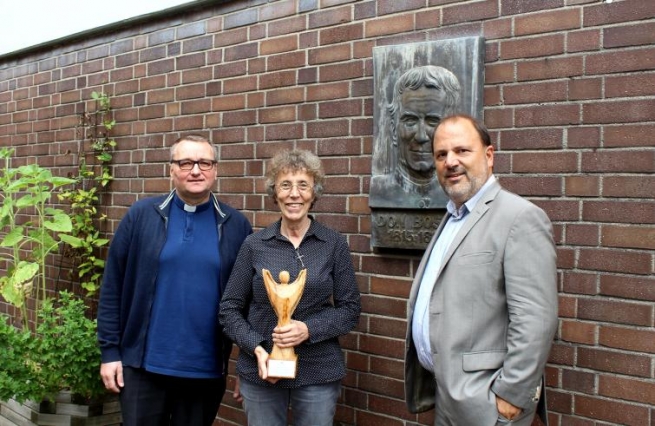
478,211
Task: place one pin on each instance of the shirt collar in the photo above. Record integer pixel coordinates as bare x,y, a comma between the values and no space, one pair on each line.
468,206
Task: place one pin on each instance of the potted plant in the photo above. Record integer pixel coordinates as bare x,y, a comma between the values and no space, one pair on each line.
49,351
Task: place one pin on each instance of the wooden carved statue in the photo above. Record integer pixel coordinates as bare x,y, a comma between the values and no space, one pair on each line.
284,298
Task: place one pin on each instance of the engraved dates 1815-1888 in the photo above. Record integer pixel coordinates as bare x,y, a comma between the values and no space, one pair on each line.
412,229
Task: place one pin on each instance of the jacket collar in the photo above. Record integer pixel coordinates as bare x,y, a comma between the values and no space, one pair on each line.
165,206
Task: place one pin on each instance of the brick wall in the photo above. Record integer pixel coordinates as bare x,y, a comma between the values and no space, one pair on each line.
569,97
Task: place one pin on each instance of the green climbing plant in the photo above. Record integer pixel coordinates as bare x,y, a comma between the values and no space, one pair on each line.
94,174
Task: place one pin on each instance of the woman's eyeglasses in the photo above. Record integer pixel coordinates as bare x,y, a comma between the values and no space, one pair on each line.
287,186
188,165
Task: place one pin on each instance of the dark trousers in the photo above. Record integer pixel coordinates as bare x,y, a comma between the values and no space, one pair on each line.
149,399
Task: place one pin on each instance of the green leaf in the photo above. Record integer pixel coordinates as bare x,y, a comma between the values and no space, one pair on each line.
61,222
26,201
61,181
13,237
24,272
71,240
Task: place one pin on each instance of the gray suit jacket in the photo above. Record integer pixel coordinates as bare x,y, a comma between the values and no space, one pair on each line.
493,314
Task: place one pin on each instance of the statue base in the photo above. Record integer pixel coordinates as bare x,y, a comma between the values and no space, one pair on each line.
282,369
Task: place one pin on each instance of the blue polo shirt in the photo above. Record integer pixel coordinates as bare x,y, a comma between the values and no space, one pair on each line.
183,332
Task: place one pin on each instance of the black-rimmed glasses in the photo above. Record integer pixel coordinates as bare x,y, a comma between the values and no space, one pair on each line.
186,165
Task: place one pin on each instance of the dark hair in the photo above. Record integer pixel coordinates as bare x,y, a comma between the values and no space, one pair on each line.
194,138
478,125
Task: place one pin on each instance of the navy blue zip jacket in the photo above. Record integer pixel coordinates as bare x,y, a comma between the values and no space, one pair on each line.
128,287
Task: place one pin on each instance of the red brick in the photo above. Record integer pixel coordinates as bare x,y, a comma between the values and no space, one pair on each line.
625,388
284,131
579,381
514,7
497,29
638,237
293,25
544,22
611,411
559,162
636,288
387,327
533,185
277,10
535,92
484,9
232,69
621,111
614,261
542,69
391,25
328,17
638,340
394,308
582,186
539,46
499,73
612,361
578,332
619,161
585,88
278,45
548,115
621,61
343,108
628,135
189,123
582,234
619,211
563,354
615,311
367,418
277,114
612,13
197,75
285,61
239,118
634,85
240,85
327,128
336,53
198,106
583,40
559,402
342,33
394,408
290,95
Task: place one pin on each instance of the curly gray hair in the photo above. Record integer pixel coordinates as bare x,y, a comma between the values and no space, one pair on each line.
297,160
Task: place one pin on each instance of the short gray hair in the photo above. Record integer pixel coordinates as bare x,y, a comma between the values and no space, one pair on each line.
295,161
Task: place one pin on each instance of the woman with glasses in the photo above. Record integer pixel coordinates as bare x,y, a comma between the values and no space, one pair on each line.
328,308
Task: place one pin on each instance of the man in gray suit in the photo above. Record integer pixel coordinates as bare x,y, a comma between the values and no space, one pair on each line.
483,306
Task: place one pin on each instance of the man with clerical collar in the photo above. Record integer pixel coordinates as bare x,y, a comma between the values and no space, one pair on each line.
161,345
483,305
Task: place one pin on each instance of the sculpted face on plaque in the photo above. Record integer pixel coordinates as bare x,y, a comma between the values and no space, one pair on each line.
284,298
422,96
